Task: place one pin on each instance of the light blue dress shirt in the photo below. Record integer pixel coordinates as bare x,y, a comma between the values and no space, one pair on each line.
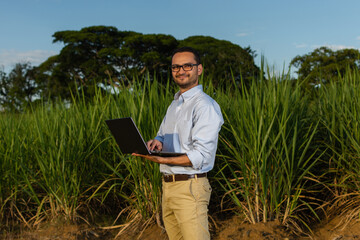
191,125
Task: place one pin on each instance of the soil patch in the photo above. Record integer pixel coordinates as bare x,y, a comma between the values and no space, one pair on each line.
337,229
235,229
59,232
231,229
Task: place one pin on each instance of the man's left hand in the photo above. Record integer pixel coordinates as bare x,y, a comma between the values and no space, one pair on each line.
156,159
182,160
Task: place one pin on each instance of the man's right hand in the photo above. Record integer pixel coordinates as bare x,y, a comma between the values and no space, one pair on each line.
154,145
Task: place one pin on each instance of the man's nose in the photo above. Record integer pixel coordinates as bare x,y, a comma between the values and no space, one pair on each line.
181,69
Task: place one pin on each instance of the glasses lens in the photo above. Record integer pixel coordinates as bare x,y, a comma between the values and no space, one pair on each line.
175,68
187,67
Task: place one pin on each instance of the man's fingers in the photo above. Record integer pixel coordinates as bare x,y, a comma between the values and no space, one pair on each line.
139,155
149,157
157,145
154,144
149,143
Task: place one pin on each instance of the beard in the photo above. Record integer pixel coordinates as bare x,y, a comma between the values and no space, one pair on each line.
186,83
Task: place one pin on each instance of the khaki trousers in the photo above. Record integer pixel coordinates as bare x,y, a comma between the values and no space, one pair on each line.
185,207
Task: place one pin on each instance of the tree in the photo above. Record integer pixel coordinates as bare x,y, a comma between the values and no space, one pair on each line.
150,52
88,57
324,65
220,57
96,54
18,88
3,83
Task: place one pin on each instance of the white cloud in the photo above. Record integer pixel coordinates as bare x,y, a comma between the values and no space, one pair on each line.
244,34
301,45
333,47
8,58
358,38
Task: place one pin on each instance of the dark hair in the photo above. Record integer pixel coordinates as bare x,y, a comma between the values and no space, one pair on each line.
188,49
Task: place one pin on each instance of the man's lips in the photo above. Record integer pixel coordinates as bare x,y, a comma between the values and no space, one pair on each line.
182,76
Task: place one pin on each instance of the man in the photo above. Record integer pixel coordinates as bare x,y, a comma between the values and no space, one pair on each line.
191,125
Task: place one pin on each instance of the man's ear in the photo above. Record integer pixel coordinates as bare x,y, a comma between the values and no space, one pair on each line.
200,69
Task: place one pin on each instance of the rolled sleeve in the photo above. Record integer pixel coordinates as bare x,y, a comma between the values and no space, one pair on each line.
159,138
205,132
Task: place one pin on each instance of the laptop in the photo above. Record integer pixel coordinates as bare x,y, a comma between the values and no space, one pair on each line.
129,139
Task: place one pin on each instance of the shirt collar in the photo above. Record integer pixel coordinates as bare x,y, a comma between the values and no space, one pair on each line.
189,93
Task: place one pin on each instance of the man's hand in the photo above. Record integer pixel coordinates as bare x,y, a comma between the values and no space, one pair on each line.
154,145
182,160
156,159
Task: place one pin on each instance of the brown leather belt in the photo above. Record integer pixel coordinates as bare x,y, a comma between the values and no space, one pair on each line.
182,177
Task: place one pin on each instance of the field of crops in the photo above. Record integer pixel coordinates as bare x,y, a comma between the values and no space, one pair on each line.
285,153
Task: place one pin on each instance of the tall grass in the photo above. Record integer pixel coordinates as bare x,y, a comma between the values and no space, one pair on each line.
338,106
60,161
13,155
48,155
269,153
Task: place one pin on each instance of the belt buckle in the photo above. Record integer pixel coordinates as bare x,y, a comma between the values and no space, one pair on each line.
170,177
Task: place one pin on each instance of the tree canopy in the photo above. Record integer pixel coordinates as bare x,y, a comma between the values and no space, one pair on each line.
96,54
18,88
103,54
324,65
222,59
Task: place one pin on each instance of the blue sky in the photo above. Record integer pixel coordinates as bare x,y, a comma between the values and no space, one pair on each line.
277,29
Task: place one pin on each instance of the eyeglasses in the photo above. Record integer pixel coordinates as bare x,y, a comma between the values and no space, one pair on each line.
186,67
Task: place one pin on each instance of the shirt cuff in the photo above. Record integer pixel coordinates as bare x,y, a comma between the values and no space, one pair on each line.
196,159
159,138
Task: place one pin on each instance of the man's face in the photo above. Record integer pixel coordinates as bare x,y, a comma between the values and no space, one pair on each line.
186,79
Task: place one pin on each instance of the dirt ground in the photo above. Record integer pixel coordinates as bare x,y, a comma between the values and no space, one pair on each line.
232,229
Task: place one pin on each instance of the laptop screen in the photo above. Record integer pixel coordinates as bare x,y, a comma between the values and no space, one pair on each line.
129,139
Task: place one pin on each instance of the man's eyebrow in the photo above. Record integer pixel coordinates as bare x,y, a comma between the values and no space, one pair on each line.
182,64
